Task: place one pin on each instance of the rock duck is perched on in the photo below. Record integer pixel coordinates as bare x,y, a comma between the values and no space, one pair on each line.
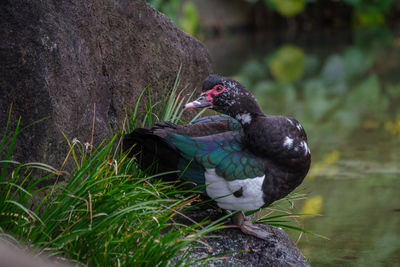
247,160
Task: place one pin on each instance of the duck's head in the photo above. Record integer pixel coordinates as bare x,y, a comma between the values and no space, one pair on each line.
226,96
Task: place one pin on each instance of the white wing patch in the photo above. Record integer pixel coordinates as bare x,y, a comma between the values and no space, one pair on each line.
290,121
306,149
298,125
222,190
288,142
244,118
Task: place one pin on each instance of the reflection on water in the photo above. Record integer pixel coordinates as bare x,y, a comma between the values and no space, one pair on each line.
346,92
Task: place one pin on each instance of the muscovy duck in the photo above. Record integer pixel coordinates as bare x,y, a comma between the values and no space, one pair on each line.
247,159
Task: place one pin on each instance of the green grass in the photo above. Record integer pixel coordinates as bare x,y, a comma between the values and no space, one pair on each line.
108,213
169,108
280,214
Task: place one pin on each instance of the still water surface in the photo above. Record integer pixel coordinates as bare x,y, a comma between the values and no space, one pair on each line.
345,90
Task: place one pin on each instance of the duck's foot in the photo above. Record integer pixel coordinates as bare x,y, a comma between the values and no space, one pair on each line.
249,227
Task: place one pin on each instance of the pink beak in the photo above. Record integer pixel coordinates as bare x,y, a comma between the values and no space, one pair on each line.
201,102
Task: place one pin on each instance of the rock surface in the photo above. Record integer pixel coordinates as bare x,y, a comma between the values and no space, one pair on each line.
13,255
60,58
239,249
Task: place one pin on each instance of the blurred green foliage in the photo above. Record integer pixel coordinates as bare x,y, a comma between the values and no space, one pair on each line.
183,14
366,12
367,37
348,100
333,91
189,20
288,64
287,8
370,12
168,7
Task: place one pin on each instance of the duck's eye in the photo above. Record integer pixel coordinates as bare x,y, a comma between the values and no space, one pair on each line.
219,89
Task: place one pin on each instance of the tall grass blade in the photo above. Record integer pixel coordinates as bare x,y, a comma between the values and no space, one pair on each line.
10,149
298,229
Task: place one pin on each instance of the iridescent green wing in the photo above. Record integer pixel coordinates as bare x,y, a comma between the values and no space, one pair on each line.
234,125
224,152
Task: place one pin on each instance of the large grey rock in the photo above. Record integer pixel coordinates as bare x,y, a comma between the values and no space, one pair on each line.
59,58
239,249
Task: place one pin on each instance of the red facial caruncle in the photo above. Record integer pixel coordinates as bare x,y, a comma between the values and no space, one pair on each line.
206,98
216,90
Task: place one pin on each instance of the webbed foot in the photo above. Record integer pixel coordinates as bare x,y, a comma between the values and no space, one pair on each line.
249,227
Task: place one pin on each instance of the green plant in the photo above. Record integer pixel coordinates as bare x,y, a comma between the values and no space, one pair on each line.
366,12
168,7
169,108
287,8
280,214
183,14
190,18
370,13
108,213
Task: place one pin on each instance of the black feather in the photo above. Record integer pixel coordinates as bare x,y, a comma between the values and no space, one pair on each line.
153,153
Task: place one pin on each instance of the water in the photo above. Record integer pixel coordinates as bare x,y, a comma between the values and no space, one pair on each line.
345,89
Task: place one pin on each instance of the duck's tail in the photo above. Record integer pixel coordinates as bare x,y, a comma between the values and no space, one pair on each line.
153,152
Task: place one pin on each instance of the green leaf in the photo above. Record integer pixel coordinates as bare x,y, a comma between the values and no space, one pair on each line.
288,64
288,226
27,211
252,71
356,62
333,71
318,103
289,8
369,17
190,19
282,94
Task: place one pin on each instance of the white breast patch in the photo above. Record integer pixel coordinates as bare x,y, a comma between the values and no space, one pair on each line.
222,190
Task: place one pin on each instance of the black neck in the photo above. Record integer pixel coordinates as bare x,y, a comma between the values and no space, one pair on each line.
245,111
